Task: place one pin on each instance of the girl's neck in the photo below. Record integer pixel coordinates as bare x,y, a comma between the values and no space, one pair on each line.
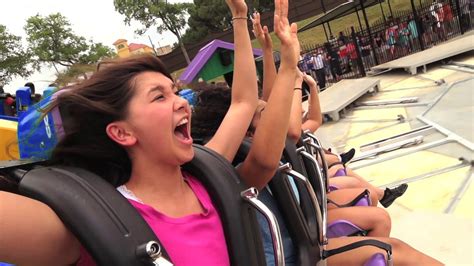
163,188
152,181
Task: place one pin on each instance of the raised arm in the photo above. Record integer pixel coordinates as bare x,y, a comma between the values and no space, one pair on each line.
314,119
32,234
270,135
269,75
294,128
232,130
269,68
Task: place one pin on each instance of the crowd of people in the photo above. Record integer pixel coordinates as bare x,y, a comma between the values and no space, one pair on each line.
129,126
393,38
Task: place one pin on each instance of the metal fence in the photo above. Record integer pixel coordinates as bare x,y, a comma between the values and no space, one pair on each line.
355,51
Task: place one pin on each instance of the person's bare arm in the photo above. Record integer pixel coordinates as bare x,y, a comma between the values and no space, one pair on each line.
294,129
32,234
314,119
269,68
233,128
270,135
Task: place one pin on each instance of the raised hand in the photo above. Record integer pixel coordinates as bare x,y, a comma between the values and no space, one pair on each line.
299,79
262,34
238,8
286,33
309,80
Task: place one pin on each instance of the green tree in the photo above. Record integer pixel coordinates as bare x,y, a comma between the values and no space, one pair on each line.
206,17
14,59
53,42
210,16
165,16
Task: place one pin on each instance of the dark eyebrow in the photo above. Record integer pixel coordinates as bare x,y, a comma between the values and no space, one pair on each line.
156,88
161,88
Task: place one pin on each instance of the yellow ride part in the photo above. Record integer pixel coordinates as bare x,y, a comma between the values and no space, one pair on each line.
9,140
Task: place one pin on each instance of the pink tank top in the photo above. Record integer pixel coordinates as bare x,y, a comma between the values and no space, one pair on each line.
196,239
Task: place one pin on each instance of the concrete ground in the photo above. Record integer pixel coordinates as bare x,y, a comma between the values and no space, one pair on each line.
453,47
435,215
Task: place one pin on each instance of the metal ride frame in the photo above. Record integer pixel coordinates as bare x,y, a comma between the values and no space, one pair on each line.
415,137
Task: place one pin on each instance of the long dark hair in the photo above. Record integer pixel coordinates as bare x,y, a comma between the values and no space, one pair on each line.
86,110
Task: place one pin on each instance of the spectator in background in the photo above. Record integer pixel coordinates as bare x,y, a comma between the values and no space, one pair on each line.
333,58
366,52
318,62
403,37
412,32
302,64
379,42
327,67
391,35
352,56
309,64
437,14
342,38
427,31
343,56
466,9
448,18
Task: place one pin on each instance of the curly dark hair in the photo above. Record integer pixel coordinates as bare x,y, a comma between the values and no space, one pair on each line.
212,103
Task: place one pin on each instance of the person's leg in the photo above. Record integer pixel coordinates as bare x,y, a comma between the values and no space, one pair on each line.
402,253
374,220
355,181
345,195
331,158
386,197
379,191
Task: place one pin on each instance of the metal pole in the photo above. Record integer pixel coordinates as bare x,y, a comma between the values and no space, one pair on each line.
460,191
407,151
325,33
383,13
358,19
419,29
329,28
369,31
390,9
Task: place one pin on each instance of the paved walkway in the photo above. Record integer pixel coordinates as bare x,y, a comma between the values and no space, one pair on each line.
436,214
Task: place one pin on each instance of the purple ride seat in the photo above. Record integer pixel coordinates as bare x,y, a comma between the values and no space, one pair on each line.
341,228
340,172
378,259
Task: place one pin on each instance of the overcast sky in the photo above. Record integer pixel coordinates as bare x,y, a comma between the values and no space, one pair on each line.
93,19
